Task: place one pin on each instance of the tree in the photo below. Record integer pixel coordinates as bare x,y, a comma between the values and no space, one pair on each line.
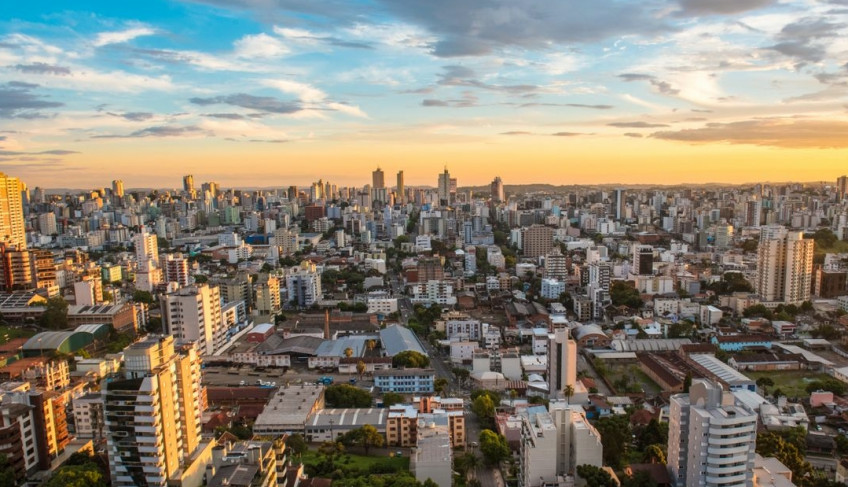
141,296
366,437
484,408
622,293
55,315
493,446
77,476
391,398
347,396
440,385
595,476
568,392
297,444
654,454
411,360
764,383
687,382
615,437
827,384
371,344
461,374
771,444
7,473
654,433
360,368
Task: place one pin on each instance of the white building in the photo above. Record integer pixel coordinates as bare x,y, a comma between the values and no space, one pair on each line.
304,285
562,362
152,417
88,415
552,289
433,292
462,351
784,266
711,438
193,314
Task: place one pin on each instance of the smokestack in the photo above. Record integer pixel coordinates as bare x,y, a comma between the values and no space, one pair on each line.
326,324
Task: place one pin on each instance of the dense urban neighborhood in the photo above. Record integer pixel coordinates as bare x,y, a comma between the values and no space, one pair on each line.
396,336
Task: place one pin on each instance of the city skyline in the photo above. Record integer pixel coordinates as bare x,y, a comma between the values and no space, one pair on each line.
676,91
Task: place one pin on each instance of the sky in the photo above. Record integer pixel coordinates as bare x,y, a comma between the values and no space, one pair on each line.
282,92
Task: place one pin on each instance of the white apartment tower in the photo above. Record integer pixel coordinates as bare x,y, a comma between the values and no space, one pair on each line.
562,362
152,416
193,314
12,228
175,269
304,285
784,265
711,438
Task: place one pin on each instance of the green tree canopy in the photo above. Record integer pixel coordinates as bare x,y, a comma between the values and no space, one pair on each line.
616,438
87,475
411,360
595,476
494,447
347,396
55,316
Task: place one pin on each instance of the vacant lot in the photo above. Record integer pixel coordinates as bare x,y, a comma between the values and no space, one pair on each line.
378,459
793,383
8,333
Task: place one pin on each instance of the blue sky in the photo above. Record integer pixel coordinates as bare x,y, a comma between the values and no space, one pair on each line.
96,90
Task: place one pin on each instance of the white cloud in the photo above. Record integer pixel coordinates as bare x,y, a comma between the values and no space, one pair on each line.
352,110
119,37
306,93
260,46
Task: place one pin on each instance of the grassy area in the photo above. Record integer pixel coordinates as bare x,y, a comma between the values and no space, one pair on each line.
8,333
636,380
793,383
378,458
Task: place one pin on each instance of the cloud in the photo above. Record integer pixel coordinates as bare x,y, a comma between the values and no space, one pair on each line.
637,125
52,152
18,101
468,100
719,7
260,103
663,87
516,132
455,75
156,131
226,116
122,36
477,28
302,36
566,134
260,46
133,116
633,134
304,92
270,141
43,68
780,132
347,109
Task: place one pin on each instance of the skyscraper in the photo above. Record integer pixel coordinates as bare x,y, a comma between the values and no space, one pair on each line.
378,180
537,240
562,362
643,260
841,188
193,314
118,188
444,188
497,190
619,203
152,416
784,265
12,229
711,438
401,189
188,183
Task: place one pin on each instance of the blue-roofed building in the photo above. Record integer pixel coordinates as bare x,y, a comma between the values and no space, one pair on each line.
405,381
396,339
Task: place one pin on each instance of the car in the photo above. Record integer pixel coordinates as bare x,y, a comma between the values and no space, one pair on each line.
242,383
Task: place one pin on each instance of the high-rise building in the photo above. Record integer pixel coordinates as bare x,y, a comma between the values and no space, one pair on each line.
304,285
537,240
619,203
643,260
784,265
193,314
12,228
146,250
47,224
378,180
152,416
497,190
711,438
188,183
841,188
401,189
266,290
562,362
118,188
175,269
444,188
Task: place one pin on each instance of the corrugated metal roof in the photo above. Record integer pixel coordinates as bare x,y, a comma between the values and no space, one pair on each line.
397,339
